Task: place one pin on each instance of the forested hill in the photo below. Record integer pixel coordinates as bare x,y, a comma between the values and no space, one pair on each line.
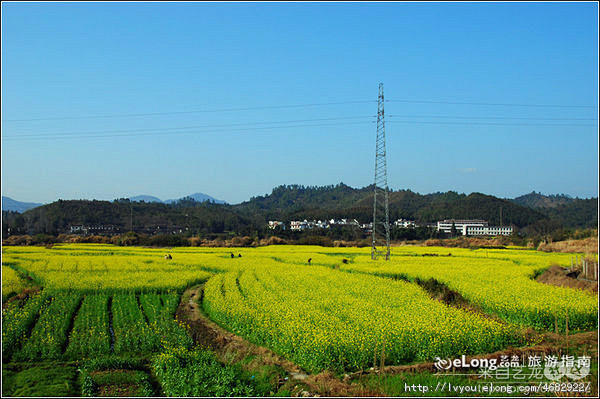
121,215
568,211
292,202
539,200
341,201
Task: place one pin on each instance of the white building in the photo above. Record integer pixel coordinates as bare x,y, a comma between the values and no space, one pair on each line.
322,224
405,223
297,225
367,227
460,225
275,223
473,227
98,229
344,222
489,231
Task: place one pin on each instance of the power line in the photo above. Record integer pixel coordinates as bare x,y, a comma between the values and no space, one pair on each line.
131,115
52,134
493,124
245,124
15,138
491,117
493,104
163,131
188,112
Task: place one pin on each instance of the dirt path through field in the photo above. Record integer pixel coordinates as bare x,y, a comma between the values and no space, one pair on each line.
231,348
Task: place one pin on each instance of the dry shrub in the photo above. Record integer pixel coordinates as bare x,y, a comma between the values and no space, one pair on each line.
467,242
586,245
273,240
364,243
241,242
343,244
218,242
195,241
17,240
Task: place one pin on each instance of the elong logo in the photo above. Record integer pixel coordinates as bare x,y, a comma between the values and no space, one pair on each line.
446,364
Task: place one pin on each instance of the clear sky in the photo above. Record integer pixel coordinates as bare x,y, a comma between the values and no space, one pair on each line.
112,100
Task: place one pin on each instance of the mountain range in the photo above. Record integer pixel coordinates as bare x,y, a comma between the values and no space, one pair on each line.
9,204
533,212
198,197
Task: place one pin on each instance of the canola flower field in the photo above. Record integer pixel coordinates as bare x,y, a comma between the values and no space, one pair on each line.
12,282
335,312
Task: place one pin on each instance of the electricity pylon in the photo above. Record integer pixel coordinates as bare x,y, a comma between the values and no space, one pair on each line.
381,213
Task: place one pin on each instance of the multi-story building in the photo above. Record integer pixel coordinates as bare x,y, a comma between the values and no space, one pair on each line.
344,222
489,230
473,227
92,229
460,225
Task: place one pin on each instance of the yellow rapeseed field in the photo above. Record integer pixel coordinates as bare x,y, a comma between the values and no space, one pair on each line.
338,311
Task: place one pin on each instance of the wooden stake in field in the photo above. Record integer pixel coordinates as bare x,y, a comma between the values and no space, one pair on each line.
382,357
375,358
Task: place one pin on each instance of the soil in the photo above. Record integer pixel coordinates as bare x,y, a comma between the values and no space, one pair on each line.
22,296
125,390
559,276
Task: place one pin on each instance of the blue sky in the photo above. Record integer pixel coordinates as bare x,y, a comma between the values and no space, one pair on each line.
76,77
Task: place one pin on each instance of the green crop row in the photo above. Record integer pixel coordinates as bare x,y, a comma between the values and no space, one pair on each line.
90,335
49,336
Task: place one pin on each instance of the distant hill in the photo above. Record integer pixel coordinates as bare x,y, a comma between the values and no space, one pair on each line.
9,204
145,198
198,197
538,200
564,209
120,215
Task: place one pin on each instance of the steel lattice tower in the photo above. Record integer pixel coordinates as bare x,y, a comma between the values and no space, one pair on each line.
381,214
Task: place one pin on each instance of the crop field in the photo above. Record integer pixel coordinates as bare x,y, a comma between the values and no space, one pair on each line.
337,312
12,283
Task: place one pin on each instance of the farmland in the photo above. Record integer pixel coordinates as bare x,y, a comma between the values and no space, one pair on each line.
337,313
